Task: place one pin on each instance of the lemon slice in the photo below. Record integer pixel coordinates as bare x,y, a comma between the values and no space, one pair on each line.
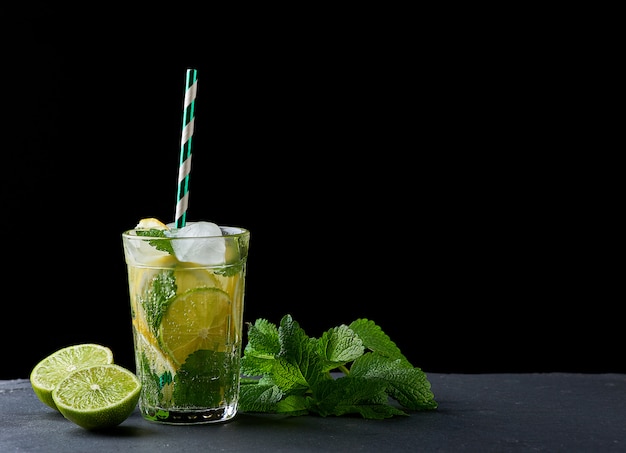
187,279
197,319
151,223
99,396
48,373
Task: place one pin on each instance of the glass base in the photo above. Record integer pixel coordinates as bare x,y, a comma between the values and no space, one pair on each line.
189,417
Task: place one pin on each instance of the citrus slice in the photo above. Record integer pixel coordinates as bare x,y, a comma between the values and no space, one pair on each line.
151,223
141,278
47,374
187,279
99,396
159,362
197,319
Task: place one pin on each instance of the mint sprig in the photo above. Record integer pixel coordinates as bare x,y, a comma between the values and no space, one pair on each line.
287,372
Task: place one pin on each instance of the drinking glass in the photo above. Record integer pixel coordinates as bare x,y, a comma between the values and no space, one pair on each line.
186,289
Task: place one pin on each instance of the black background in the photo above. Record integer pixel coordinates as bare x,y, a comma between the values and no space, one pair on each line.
409,169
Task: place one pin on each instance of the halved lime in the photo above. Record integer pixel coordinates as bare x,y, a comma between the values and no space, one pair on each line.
47,374
197,319
98,397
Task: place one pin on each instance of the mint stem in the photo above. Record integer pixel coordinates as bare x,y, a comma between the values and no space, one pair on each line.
344,369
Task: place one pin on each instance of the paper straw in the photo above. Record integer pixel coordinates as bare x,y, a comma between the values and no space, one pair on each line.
182,199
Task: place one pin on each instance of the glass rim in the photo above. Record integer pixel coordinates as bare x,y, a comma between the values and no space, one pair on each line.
228,231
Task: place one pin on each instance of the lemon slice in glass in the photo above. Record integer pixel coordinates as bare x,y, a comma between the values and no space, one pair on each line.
188,278
48,373
151,223
98,397
197,319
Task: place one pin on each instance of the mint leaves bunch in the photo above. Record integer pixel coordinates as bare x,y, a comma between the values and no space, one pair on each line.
287,372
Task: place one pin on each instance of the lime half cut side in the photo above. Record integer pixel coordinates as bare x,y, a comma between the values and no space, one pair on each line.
197,319
98,397
48,373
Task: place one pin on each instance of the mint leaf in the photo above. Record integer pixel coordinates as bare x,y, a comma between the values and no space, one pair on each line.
376,340
338,346
292,372
352,395
289,376
262,347
164,246
155,300
256,397
293,405
297,362
230,270
197,384
408,385
263,339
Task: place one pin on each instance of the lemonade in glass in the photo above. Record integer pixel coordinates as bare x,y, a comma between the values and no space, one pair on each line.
186,288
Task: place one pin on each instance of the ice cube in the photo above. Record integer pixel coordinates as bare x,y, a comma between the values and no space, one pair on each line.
207,249
140,251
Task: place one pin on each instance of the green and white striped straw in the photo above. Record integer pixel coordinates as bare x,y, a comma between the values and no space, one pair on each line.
182,199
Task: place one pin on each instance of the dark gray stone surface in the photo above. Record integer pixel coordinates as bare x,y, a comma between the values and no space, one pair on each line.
553,412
